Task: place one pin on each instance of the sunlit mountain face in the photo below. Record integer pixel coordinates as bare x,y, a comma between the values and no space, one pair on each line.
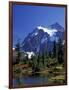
42,38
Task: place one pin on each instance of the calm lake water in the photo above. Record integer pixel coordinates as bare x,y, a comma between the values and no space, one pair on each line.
30,80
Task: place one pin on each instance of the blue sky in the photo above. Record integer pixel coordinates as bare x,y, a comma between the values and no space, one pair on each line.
26,18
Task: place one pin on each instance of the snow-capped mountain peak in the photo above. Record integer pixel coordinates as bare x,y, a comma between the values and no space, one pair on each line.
51,32
57,26
42,37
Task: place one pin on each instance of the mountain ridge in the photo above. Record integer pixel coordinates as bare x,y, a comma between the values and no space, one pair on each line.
37,40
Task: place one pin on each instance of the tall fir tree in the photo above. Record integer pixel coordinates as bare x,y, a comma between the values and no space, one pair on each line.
54,49
17,49
38,59
60,52
25,60
43,58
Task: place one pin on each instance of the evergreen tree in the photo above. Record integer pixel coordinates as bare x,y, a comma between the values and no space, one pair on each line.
17,49
50,54
60,52
54,49
25,60
43,59
35,67
46,54
38,59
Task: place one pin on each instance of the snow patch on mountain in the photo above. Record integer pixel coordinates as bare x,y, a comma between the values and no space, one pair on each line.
63,42
34,34
38,48
51,32
43,40
30,54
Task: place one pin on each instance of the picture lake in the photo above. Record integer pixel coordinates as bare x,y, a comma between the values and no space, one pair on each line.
30,80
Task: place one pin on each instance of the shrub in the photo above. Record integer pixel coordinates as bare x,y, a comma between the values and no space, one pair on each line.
18,70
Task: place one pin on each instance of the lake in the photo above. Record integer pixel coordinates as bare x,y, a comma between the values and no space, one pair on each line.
30,80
